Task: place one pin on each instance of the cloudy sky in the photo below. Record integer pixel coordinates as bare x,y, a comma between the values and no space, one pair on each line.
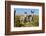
21,11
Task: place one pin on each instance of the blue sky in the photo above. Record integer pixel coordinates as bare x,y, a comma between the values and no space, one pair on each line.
20,11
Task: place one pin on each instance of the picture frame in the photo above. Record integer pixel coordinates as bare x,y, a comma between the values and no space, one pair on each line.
9,17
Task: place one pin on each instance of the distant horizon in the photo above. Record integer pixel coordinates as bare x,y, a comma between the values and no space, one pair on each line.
21,11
